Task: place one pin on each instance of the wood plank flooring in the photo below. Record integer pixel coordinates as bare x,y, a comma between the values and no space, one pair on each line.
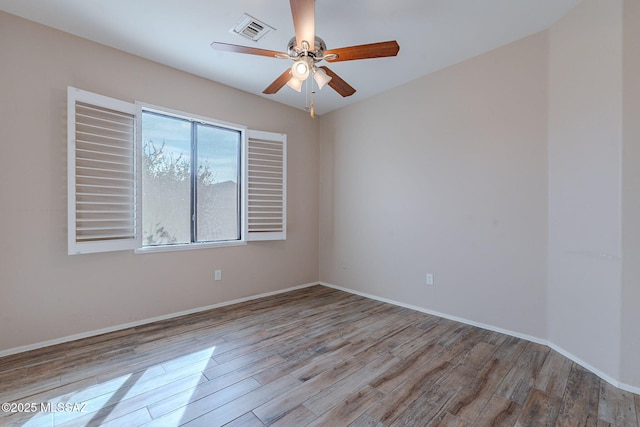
310,357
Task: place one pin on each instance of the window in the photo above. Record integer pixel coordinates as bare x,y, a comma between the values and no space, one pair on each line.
190,181
141,177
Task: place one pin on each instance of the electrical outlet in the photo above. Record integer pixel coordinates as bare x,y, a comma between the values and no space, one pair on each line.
217,275
429,279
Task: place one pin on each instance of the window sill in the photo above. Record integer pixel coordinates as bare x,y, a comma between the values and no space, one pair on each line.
188,246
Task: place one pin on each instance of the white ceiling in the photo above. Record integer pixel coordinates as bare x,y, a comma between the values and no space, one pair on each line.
432,34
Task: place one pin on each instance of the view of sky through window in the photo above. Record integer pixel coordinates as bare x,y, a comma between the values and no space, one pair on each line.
175,209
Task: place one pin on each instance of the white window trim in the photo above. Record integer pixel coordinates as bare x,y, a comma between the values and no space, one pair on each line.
189,246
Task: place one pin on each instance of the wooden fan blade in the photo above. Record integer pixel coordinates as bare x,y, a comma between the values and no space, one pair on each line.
337,84
365,51
278,83
244,49
303,12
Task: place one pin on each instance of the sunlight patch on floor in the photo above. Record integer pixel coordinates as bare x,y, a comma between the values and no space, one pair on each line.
101,402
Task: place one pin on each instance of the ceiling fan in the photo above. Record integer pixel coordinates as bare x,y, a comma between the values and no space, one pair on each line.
306,50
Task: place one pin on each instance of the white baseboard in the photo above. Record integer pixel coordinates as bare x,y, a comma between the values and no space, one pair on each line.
616,383
599,373
144,321
443,315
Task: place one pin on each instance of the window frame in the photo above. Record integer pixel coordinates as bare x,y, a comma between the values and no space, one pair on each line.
143,106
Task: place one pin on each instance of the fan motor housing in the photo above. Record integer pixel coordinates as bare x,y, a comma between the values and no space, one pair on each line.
317,54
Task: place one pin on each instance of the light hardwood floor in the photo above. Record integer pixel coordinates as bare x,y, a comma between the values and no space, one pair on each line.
315,356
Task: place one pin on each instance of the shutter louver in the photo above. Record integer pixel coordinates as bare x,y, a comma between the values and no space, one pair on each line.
267,189
102,174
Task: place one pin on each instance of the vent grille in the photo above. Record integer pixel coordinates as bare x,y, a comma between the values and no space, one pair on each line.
249,27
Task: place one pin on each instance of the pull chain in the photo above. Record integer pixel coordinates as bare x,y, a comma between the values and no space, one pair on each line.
309,88
312,110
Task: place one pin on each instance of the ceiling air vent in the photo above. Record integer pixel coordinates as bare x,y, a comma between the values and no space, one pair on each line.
251,28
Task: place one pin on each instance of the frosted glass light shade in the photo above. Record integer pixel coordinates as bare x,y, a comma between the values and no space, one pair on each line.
295,84
321,77
300,70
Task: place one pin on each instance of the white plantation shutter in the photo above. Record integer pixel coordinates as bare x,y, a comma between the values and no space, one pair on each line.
266,186
102,178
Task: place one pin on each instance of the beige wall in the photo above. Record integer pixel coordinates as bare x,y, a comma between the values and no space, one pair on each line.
585,142
46,294
445,175
630,370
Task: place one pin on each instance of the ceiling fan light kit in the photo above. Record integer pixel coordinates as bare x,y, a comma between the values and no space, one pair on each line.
300,69
306,50
295,84
320,77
